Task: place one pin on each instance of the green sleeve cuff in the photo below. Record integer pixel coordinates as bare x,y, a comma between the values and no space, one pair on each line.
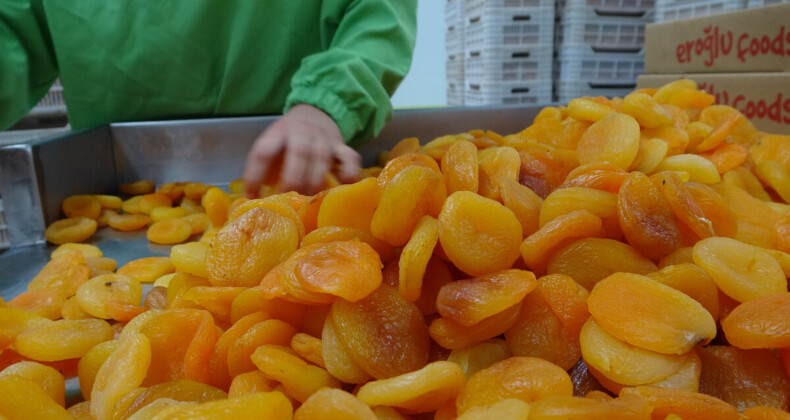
328,102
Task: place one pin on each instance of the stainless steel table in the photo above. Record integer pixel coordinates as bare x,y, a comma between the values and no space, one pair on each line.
36,176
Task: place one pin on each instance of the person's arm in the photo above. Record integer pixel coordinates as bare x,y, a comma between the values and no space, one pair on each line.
27,59
351,83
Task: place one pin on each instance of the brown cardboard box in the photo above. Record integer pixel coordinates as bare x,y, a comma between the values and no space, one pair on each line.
764,98
744,41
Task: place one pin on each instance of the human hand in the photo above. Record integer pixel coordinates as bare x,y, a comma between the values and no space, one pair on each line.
311,142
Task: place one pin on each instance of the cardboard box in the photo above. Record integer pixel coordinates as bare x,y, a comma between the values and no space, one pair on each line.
764,98
752,40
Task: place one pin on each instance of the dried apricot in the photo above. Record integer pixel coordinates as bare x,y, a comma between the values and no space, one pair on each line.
96,292
459,167
48,378
420,391
650,315
479,235
693,281
538,247
74,229
270,331
268,405
137,187
249,383
342,233
120,373
646,217
245,249
333,404
453,336
589,260
169,231
744,272
467,302
128,222
178,390
538,332
148,269
525,378
623,363
23,399
45,302
760,323
686,404
63,339
299,378
385,334
414,257
87,250
81,206
414,192
613,139
350,205
337,358
190,258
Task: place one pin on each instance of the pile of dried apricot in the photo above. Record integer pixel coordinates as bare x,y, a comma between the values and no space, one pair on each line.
619,258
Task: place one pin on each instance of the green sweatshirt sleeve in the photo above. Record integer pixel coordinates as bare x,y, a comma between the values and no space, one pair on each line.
27,59
370,51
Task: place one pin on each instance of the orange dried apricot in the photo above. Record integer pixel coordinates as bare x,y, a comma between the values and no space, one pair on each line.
342,233
81,206
217,300
121,372
760,323
128,222
478,235
453,336
623,363
414,192
685,404
197,221
245,249
613,139
414,257
137,187
480,356
333,404
744,272
350,205
249,383
525,378
268,405
764,413
252,300
218,362
744,378
182,390
538,247
181,343
148,202
524,204
46,377
459,167
24,399
96,292
45,302
400,163
190,258
420,391
467,302
337,358
169,231
74,229
646,217
270,331
308,348
575,407
650,315
589,260
148,269
385,334
298,377
693,281
538,332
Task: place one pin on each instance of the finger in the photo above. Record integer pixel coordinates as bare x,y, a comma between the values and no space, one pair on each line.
259,159
297,154
350,163
317,167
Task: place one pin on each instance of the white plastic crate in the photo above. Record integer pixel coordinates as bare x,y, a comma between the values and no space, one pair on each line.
455,94
669,10
454,69
509,64
508,27
579,25
579,62
630,7
507,93
53,103
454,26
567,90
476,6
750,4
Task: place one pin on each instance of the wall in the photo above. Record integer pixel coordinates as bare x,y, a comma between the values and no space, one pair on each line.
426,84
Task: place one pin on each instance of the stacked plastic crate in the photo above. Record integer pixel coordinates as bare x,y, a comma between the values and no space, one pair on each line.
600,46
454,46
508,51
669,10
